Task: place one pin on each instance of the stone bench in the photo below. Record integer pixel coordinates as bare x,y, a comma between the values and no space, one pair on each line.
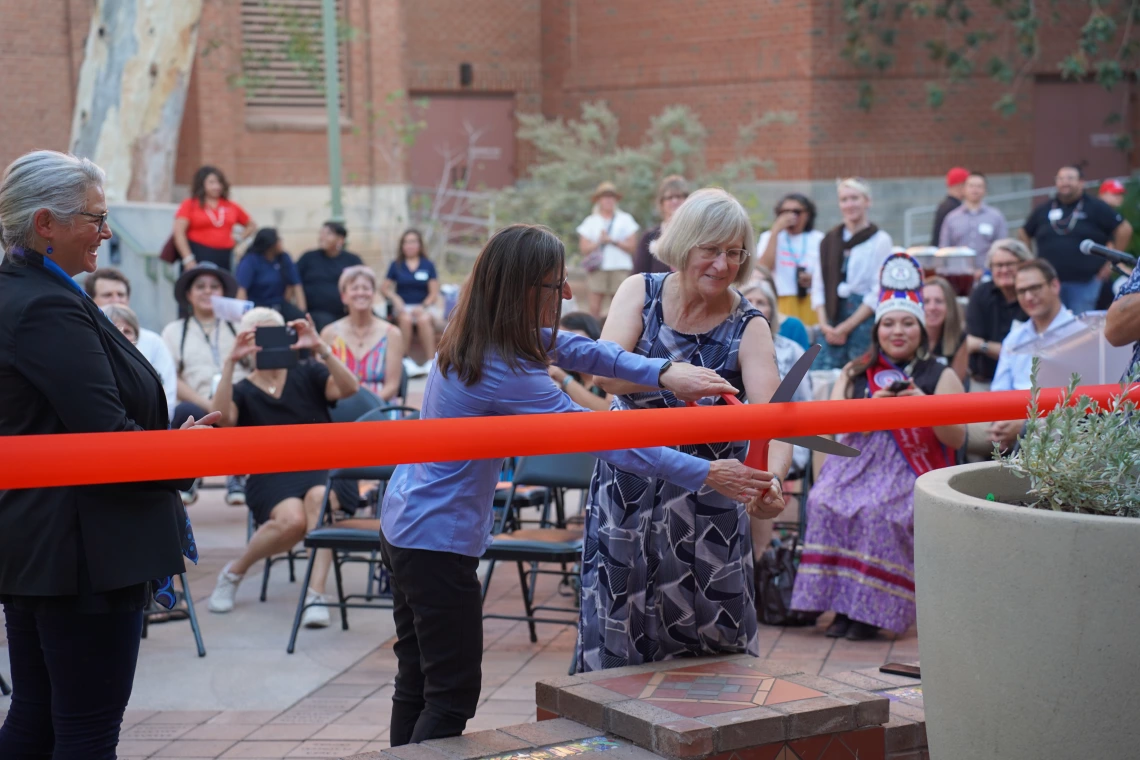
717,708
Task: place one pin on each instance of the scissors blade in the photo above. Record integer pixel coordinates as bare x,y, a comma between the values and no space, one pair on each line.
795,376
821,444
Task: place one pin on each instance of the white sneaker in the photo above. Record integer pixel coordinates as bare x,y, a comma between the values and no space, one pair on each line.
315,617
413,369
425,368
222,600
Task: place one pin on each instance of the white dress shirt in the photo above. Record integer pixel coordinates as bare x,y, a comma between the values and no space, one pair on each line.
152,348
864,263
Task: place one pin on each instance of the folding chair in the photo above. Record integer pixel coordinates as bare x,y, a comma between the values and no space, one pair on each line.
352,537
291,556
178,613
558,472
352,408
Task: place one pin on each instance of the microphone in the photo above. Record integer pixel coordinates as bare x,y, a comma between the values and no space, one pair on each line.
1113,255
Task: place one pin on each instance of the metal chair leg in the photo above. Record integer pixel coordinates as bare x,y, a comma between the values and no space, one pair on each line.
301,604
527,603
5,689
371,577
339,590
265,578
292,571
193,617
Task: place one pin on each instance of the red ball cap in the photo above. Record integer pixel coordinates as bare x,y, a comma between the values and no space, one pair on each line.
1111,186
956,176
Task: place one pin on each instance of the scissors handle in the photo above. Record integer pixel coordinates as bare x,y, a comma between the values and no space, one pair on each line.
757,457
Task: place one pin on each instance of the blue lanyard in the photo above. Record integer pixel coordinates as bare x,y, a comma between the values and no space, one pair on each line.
797,257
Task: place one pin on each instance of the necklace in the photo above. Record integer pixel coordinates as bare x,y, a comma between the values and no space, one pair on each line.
270,386
220,219
1054,223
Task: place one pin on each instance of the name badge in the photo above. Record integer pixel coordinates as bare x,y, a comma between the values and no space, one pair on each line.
1055,214
421,276
985,228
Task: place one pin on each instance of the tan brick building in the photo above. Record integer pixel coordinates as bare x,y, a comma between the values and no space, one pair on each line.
480,62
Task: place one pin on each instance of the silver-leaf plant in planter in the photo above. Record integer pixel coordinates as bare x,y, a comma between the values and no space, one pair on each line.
1081,457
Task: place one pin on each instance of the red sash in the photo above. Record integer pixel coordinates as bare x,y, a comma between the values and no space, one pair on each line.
922,449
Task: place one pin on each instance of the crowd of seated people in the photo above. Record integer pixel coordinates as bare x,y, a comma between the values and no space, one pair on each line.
361,328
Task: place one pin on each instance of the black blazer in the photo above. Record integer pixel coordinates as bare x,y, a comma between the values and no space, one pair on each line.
64,368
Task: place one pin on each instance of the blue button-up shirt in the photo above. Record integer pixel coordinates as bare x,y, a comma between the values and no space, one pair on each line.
448,506
1014,370
1131,286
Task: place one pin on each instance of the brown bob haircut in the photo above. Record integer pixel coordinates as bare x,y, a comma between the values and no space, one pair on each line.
500,308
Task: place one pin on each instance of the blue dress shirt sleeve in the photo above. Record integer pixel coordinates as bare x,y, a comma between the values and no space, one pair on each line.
534,393
574,353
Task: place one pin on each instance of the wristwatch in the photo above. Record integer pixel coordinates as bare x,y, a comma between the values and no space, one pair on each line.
986,347
664,368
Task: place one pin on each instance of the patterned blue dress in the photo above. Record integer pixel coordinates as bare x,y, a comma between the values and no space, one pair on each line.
667,573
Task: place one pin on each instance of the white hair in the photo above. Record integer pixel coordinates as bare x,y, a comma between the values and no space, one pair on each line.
707,216
854,183
259,316
43,179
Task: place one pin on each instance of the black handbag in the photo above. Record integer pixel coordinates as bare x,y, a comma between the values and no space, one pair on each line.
775,580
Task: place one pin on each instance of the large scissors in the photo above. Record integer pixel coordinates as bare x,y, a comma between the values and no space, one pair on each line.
757,457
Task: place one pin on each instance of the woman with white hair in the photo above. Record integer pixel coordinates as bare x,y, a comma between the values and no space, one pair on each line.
285,505
78,564
643,597
370,347
845,285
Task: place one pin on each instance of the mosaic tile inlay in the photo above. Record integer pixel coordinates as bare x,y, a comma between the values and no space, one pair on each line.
707,689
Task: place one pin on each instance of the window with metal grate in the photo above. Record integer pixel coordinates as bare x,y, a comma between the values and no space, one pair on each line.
283,62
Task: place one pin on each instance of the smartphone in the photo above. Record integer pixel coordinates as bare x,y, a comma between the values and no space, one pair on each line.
898,669
898,385
275,344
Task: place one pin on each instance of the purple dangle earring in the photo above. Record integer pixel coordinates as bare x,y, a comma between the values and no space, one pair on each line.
49,250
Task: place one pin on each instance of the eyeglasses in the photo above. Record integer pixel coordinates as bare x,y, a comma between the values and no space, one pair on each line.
101,217
1030,290
792,211
733,255
674,197
554,285
1005,265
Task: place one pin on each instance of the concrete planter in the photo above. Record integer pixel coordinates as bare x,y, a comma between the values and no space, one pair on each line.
1028,623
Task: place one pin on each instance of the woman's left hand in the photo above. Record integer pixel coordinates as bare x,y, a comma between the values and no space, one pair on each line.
203,423
768,505
307,335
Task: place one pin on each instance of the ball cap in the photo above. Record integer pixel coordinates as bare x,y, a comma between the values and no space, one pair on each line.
1111,186
956,176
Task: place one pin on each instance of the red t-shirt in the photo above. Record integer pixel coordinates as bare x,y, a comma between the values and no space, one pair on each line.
212,227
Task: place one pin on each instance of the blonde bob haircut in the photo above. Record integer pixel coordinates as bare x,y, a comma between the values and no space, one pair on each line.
260,316
708,216
854,183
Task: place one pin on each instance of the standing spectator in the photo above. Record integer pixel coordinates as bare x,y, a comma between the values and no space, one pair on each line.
667,572
845,286
320,270
284,505
612,233
945,325
791,251
671,193
107,286
412,285
78,564
1039,293
858,555
371,348
1057,228
974,224
955,189
1122,323
267,276
199,344
1112,192
204,223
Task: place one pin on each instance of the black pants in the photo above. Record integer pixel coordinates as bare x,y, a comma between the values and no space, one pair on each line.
438,609
71,680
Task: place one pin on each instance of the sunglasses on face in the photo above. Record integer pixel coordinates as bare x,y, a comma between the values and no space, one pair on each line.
792,211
